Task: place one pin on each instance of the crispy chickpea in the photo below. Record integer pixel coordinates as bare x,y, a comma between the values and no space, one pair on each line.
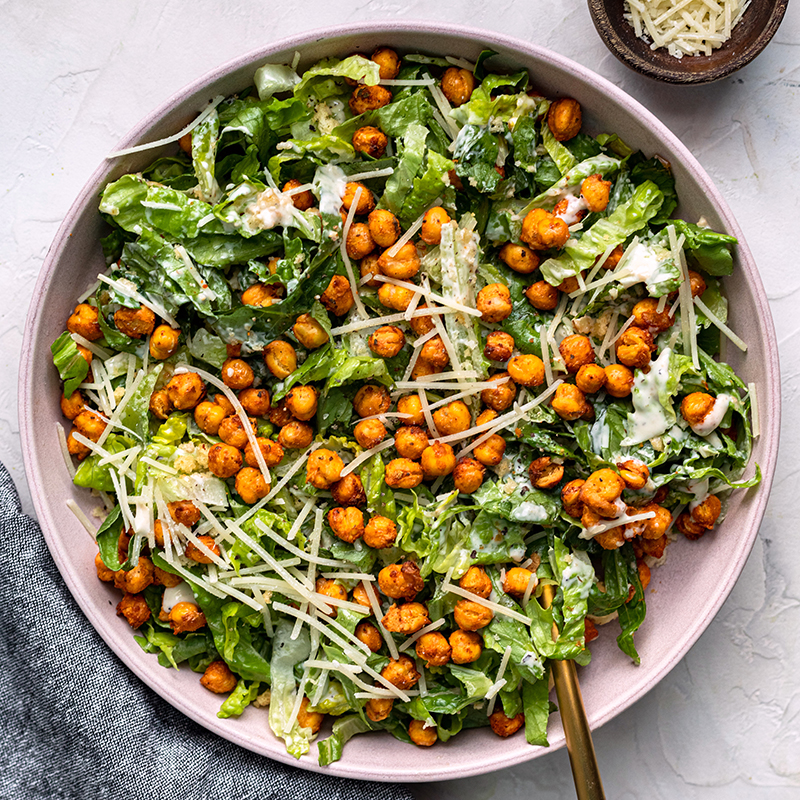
656,527
422,324
76,448
499,346
138,578
422,369
500,398
695,407
337,297
544,474
158,535
186,617
403,473
542,295
466,646
347,523
135,610
614,257
367,98
402,265
435,353
468,475
379,709
494,302
200,556
296,435
519,257
349,491
103,572
218,678
371,399
222,401
367,633
407,618
237,374
261,295
619,380
163,578
271,451
251,485
438,460
434,649
634,347
83,321
73,405
472,616
324,468
601,491
380,532
184,512
411,404
135,322
279,415
359,242
160,404
384,227
388,61
360,595
224,461
517,580
301,401
421,735
401,581
491,451
696,282
410,441
476,580
595,191
86,355
370,141
576,350
653,547
369,432
564,118
505,726
458,85
646,315
233,432
186,390
591,378
452,418
387,341
571,498
634,473
164,342
431,232
688,527
542,230
401,673
332,589
89,424
707,513
569,402
397,297
280,358
366,200
255,401
369,266
309,332
526,370
302,201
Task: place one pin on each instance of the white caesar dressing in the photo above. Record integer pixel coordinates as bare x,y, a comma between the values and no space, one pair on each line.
270,208
576,205
182,593
643,265
578,574
700,491
529,512
649,417
714,417
329,185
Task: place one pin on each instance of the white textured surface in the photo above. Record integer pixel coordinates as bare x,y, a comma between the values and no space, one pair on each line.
726,722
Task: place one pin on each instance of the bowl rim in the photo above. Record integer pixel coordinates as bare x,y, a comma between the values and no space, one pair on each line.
27,391
598,10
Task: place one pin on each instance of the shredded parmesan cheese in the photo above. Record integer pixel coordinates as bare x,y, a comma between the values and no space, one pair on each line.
724,329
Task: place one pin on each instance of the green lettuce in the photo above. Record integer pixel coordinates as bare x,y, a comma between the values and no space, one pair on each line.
71,365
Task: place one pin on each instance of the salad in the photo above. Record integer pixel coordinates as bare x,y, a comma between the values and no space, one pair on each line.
383,349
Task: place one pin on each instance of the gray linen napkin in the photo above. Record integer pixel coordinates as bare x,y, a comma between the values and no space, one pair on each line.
76,724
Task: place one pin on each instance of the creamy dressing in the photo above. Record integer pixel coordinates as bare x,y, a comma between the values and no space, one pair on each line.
270,208
529,512
714,417
642,265
649,418
330,183
700,491
576,205
578,574
182,593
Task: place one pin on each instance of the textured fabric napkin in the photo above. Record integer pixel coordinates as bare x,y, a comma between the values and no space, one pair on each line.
76,724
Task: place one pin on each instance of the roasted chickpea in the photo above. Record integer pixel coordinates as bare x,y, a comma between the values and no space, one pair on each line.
401,581
564,118
499,346
367,98
76,448
371,400
435,353
302,402
218,678
434,649
397,297
494,302
476,580
526,370
407,618
614,257
280,358
380,532
656,527
410,441
89,424
184,512
232,431
634,347
601,491
138,578
370,141
367,633
309,332
388,61
83,321
401,673
402,265
422,324
519,257
437,460
296,435
349,491
544,474
369,432
73,405
590,378
466,646
487,415
505,726
688,527
472,616
279,415
403,473
500,398
222,401
164,342
458,85
158,535
251,485
696,282
387,341
468,475
421,734
135,609
634,473
103,572
695,407
369,266
619,380
542,230
271,451
379,709
261,295
577,351
224,461
491,451
186,617
646,315
337,297
384,227
366,200
332,589
237,374
569,402
302,201
431,232
360,595
196,553
135,322
595,191
542,295
324,468
517,581
359,242
185,391
255,401
570,498
347,523
411,404
86,355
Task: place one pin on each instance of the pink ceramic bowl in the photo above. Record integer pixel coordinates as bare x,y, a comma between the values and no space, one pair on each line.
686,592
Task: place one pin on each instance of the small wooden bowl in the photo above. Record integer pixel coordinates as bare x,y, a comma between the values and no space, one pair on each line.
748,39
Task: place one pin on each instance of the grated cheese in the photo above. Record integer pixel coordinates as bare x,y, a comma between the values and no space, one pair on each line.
82,518
93,348
360,309
426,411
129,290
376,322
548,367
366,455
420,633
431,296
376,610
445,108
496,607
724,329
62,443
500,681
465,393
375,173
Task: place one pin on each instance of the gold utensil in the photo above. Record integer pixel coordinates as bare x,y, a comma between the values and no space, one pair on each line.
582,758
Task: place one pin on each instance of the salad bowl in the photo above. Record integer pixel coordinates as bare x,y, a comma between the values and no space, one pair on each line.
691,586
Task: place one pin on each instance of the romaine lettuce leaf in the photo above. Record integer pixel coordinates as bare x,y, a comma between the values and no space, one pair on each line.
71,365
